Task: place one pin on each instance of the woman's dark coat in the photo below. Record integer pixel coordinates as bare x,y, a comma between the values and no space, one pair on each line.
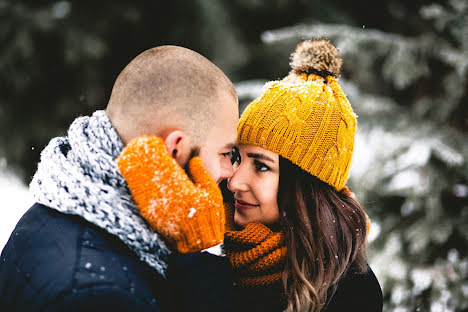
355,292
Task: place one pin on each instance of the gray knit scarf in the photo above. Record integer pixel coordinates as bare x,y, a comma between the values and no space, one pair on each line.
78,175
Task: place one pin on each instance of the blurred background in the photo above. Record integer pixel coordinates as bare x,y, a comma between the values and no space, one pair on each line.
405,73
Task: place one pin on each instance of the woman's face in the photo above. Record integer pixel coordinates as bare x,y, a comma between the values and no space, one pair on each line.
255,185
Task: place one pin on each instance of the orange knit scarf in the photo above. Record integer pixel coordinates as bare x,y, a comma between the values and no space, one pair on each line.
257,255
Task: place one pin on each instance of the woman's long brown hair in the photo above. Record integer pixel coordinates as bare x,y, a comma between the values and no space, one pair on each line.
325,234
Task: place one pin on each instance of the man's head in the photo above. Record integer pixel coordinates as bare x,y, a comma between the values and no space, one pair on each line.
180,96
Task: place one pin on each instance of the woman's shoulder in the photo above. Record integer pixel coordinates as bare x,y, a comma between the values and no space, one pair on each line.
357,292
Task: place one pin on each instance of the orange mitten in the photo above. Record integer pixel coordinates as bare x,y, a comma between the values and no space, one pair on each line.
189,214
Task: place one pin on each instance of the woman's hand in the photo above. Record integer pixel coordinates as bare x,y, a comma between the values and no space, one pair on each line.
189,213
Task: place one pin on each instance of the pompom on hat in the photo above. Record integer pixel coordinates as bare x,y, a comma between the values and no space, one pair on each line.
317,56
306,118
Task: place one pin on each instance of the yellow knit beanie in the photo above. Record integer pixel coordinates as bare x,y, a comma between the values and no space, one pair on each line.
306,117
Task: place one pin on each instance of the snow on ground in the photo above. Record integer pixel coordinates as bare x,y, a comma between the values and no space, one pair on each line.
15,201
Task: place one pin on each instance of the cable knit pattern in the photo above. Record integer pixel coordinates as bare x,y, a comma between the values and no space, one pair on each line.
306,119
257,255
78,175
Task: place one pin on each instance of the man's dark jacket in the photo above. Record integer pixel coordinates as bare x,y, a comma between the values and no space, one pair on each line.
59,262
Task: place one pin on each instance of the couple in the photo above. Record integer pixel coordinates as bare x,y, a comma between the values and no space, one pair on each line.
129,215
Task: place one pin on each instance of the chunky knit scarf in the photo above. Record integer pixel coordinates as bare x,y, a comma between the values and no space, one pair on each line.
257,255
78,175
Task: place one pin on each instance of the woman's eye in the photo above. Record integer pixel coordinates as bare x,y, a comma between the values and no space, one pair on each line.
259,166
235,156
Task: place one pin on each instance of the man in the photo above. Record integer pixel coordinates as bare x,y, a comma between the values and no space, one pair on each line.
84,244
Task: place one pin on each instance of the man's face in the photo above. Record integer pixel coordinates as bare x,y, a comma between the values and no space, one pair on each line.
220,139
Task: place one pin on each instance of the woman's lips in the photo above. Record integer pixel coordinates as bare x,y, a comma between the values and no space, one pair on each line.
244,205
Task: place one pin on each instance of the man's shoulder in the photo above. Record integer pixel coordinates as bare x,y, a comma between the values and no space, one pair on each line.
43,244
55,254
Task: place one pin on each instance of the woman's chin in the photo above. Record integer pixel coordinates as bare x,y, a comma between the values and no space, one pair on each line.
242,220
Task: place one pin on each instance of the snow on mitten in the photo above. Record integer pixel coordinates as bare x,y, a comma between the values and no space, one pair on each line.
189,213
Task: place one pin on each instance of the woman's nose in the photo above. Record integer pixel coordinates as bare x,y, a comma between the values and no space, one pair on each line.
238,181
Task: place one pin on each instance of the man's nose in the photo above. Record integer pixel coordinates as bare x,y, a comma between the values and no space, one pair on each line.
226,170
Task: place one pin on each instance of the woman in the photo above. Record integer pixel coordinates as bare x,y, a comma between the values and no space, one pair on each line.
297,239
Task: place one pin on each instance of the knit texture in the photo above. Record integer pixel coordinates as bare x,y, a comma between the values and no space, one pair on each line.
257,255
78,175
189,214
307,119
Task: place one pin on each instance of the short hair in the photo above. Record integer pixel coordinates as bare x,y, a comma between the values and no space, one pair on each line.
167,86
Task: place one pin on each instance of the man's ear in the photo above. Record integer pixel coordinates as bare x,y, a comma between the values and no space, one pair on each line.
177,146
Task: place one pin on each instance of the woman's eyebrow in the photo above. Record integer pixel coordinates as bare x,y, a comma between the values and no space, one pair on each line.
260,156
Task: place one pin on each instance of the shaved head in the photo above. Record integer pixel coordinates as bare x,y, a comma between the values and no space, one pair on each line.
168,87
